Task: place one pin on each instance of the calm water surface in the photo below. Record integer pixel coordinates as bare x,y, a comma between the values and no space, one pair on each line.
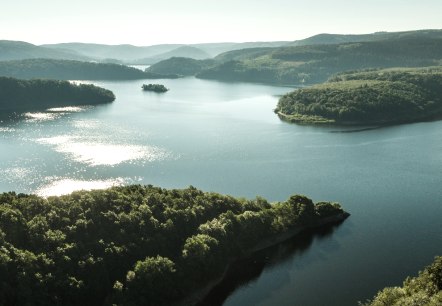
224,137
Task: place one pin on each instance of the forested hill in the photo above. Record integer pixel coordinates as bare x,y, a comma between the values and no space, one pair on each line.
310,64
22,95
316,63
369,97
134,245
72,70
17,50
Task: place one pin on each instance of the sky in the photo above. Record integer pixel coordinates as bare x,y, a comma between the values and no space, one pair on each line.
145,22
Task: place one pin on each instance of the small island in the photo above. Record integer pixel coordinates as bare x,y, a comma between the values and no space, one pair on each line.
424,289
24,95
373,97
137,245
158,88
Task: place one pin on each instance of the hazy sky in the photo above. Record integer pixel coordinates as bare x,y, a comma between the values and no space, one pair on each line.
148,22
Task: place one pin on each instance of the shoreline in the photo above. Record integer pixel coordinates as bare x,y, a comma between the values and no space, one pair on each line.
200,294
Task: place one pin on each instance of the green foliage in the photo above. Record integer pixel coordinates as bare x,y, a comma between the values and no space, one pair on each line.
423,290
368,97
315,63
36,94
134,245
180,65
159,88
72,70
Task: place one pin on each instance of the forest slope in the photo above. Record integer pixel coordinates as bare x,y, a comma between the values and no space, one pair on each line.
72,70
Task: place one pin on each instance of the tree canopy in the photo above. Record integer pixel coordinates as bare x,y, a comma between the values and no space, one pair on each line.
422,290
133,245
368,97
37,94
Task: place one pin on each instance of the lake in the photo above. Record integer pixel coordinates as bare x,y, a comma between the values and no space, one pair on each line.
224,137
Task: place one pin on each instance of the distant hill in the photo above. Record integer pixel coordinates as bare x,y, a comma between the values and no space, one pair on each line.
126,53
181,65
39,94
72,70
316,63
369,97
17,50
153,54
325,39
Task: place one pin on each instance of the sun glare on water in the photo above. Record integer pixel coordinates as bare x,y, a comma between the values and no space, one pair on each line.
67,186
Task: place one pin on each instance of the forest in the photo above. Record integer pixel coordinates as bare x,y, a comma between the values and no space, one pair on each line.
73,70
34,94
423,290
368,97
309,64
134,245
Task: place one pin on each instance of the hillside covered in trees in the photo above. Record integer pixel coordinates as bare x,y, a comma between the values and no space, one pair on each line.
72,70
134,245
315,63
369,97
37,94
422,290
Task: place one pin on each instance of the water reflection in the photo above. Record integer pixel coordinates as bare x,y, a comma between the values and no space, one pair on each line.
67,186
93,153
244,272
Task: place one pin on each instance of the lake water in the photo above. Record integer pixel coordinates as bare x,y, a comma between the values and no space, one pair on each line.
224,137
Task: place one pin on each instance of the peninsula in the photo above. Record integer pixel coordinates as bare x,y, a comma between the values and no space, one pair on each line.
372,97
136,245
23,95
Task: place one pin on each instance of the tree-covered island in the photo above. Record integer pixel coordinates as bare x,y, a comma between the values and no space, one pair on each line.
21,95
370,97
136,245
158,88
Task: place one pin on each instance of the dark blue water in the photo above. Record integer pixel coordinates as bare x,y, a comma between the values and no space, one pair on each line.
224,137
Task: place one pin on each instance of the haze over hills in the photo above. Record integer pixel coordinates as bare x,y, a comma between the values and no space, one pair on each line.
17,50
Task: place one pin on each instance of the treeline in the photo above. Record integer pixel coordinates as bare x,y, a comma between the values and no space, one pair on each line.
37,94
423,290
73,70
368,97
314,63
134,245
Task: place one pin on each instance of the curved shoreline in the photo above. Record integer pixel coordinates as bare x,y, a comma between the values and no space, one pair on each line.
200,294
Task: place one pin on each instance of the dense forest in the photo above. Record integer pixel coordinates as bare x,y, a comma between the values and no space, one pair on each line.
423,290
180,65
37,94
73,70
134,245
308,64
368,97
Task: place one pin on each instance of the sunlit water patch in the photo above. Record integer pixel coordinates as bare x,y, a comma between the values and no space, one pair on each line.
67,186
95,153
67,109
40,116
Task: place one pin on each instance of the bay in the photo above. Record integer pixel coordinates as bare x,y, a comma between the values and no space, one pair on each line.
224,137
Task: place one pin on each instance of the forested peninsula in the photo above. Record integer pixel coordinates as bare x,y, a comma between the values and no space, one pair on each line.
73,70
422,290
23,95
136,245
373,97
